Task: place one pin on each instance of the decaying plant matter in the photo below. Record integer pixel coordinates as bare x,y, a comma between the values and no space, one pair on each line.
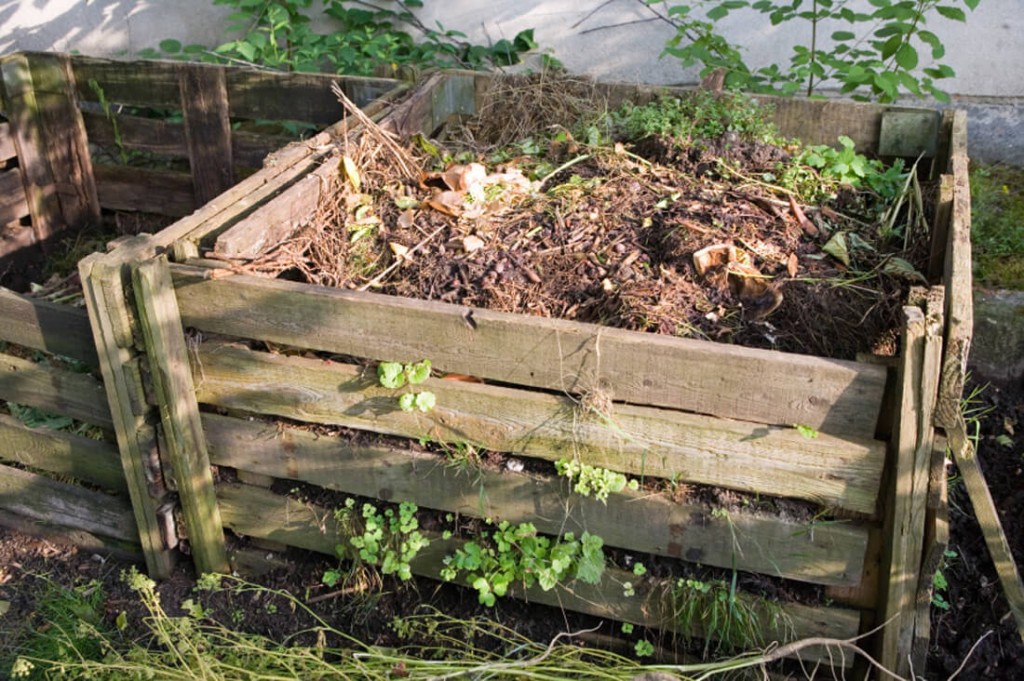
547,204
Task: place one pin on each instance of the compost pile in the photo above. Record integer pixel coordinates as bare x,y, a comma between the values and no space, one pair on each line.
545,204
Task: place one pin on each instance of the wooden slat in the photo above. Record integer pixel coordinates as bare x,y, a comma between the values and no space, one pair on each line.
842,472
936,543
761,386
147,135
249,149
179,412
127,551
901,555
276,221
57,391
163,192
50,137
7,148
958,281
66,454
65,505
204,104
827,554
103,282
259,513
13,204
142,83
42,325
298,96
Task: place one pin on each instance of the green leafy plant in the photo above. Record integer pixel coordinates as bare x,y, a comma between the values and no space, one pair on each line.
280,34
643,648
869,52
511,554
700,115
395,376
593,481
388,540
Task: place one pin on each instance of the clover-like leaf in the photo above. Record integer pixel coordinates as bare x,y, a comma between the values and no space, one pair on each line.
391,375
419,372
425,401
407,402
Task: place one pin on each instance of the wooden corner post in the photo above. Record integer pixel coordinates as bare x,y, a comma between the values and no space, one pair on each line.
179,412
104,278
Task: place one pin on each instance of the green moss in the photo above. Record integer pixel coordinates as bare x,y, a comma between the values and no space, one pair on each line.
997,231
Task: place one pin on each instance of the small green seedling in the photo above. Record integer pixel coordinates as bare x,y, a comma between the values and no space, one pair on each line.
395,376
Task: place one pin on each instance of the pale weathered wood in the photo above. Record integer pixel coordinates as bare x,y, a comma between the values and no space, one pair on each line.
72,506
841,472
260,513
50,138
988,517
940,229
826,554
179,412
53,390
163,192
832,396
78,457
103,283
42,325
276,221
7,148
957,279
204,104
901,555
13,204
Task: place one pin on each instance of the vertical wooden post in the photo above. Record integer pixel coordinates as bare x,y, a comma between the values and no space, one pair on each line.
103,282
899,560
49,134
179,412
204,102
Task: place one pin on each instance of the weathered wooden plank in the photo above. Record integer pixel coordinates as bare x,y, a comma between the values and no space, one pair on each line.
826,554
940,229
67,454
276,221
127,551
204,104
57,391
42,325
936,541
250,149
179,412
298,96
259,513
988,517
103,281
163,192
957,279
57,503
141,83
135,133
7,148
50,138
901,556
831,396
842,472
13,204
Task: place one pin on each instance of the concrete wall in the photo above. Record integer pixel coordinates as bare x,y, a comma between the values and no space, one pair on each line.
610,40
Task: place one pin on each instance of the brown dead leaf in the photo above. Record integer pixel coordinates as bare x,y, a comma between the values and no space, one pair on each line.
792,264
471,243
447,202
461,178
406,218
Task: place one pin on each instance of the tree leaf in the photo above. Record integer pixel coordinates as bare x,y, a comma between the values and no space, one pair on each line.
836,247
954,13
906,57
898,267
170,46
